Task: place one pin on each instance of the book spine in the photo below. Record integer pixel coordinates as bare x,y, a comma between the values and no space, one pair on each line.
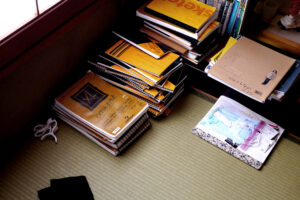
210,2
225,10
224,27
236,20
227,148
246,3
237,31
215,3
232,17
221,8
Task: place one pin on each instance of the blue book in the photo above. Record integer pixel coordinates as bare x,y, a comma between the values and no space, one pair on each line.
233,16
287,82
236,21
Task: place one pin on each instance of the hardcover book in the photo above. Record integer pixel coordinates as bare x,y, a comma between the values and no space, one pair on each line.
101,106
251,68
189,14
287,82
239,131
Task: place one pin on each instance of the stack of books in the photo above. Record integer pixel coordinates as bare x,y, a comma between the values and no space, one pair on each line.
143,68
108,116
187,27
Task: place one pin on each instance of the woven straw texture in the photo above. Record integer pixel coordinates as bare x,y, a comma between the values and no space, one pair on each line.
167,162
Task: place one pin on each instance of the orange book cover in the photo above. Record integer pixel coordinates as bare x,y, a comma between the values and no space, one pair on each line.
142,42
101,105
208,31
126,52
251,68
189,14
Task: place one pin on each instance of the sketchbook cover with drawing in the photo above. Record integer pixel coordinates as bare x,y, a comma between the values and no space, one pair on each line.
239,131
101,106
251,68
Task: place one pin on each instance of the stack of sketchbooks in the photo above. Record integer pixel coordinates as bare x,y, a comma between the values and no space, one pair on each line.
253,69
239,131
108,116
147,71
187,27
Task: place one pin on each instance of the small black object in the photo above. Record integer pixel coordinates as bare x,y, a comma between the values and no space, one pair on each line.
67,188
229,141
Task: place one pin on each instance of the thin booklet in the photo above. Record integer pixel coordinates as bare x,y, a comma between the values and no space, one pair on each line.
239,131
143,42
126,52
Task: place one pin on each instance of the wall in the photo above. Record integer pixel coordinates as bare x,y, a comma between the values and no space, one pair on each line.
30,88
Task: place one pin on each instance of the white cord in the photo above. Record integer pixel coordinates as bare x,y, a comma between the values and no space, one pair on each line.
44,131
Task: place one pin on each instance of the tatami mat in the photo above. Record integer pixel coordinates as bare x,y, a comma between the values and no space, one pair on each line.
167,162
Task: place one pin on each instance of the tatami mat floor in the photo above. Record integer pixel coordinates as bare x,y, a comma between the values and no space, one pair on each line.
167,162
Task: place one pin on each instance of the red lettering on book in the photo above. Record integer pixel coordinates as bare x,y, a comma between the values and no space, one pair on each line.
181,3
192,6
189,6
208,13
199,10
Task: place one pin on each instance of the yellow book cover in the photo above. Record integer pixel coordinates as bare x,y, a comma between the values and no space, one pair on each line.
231,41
101,105
189,14
139,75
126,52
251,68
129,70
208,30
146,16
142,42
132,90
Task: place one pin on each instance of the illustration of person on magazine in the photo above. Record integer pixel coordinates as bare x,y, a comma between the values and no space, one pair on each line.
270,76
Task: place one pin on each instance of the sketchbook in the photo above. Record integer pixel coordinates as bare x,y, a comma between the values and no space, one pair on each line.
239,131
142,42
101,106
126,52
251,68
